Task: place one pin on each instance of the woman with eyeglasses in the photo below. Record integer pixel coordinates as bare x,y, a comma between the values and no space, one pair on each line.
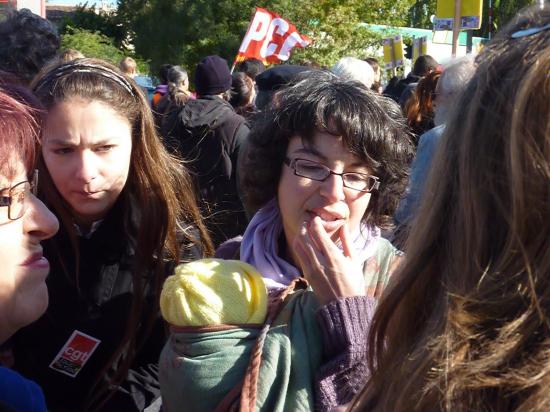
467,325
24,223
325,166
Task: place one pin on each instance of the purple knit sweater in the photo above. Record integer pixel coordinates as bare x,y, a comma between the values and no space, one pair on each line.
344,324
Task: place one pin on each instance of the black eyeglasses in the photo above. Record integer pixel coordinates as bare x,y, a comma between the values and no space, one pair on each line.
317,171
14,197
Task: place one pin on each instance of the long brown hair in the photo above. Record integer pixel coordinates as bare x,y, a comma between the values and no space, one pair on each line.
419,108
465,325
157,182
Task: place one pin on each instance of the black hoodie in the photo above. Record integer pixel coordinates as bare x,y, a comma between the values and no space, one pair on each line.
208,134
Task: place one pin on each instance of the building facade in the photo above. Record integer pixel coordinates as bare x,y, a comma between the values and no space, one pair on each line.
36,6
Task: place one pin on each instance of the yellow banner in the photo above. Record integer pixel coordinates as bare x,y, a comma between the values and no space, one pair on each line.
470,13
420,47
393,52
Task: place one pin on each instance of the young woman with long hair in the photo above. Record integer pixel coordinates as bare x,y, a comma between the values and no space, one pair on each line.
465,326
128,213
419,108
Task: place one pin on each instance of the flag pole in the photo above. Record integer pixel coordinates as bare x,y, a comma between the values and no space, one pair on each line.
237,56
456,27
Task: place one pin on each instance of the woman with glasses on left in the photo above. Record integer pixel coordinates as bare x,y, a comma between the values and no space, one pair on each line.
24,223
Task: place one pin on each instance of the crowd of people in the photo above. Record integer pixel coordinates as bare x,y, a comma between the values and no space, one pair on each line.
291,238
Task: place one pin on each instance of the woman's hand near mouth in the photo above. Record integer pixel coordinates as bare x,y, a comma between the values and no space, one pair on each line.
332,273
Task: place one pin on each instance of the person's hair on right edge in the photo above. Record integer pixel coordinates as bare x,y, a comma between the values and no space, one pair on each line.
465,326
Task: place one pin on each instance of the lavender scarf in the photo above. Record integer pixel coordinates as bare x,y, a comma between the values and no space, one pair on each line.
260,246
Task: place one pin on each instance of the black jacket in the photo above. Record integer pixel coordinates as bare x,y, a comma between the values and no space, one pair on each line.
209,135
400,87
100,309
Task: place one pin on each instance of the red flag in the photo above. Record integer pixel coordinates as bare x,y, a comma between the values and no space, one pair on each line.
270,38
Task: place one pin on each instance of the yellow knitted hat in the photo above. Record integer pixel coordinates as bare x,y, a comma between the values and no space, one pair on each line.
213,292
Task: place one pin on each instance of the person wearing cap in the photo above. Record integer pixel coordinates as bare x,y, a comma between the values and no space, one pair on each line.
272,80
209,134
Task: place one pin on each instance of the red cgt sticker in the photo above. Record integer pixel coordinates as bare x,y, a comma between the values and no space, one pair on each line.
74,354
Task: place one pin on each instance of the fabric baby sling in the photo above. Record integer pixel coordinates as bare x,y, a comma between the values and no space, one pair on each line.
269,367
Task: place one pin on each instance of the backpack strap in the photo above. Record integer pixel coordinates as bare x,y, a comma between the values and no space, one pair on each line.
243,396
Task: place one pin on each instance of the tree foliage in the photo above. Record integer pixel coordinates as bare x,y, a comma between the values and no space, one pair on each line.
184,31
503,12
91,44
420,13
336,30
88,18
98,34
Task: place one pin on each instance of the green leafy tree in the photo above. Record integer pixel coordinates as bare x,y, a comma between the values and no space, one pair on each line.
88,18
335,27
503,12
98,34
184,31
91,44
420,13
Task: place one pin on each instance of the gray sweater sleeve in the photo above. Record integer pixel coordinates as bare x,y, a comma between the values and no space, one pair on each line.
344,324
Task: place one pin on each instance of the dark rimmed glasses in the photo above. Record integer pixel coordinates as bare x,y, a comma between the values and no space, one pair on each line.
319,172
14,197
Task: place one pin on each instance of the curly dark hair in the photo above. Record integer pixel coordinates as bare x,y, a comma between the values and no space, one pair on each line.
372,128
27,43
